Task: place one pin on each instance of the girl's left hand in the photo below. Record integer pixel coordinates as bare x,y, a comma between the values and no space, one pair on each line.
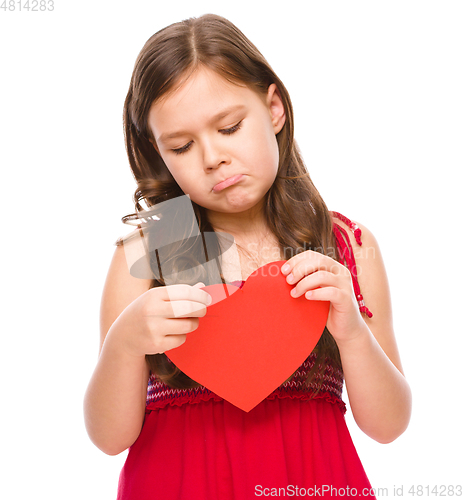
320,277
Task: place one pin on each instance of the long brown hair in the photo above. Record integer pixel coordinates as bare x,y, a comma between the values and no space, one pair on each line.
294,210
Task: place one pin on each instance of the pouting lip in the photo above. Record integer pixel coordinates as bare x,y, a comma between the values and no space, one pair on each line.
229,181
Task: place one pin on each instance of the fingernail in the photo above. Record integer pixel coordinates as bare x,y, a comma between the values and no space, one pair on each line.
210,300
290,278
293,292
285,268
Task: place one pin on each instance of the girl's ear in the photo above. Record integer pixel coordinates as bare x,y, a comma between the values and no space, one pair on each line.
276,108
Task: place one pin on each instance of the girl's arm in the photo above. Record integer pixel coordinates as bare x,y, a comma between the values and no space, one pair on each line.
380,397
135,321
114,405
379,394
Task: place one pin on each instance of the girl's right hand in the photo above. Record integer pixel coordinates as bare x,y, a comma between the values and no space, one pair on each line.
160,318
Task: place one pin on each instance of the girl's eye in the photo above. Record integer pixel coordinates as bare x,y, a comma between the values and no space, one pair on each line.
183,149
225,131
231,130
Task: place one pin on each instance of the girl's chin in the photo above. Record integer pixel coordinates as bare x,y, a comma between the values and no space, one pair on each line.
247,208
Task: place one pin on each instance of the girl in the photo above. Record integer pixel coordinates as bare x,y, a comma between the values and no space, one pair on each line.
206,116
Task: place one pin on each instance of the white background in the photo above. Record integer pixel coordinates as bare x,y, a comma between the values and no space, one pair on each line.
377,92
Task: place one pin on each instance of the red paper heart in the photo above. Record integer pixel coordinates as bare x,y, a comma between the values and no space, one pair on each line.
250,343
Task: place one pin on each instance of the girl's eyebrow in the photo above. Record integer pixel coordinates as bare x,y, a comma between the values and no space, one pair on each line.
219,116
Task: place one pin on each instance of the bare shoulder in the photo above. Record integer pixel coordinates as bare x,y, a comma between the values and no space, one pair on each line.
119,291
373,282
372,275
367,255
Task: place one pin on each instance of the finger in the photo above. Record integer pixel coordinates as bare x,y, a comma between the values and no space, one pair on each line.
316,280
308,255
327,293
187,309
173,341
202,285
334,295
190,308
186,292
311,265
182,326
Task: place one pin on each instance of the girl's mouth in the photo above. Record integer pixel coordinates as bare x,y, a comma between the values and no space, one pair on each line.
228,182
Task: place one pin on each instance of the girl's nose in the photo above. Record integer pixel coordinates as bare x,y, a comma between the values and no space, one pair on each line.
213,155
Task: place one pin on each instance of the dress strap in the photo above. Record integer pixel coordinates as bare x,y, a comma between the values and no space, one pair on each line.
352,225
346,254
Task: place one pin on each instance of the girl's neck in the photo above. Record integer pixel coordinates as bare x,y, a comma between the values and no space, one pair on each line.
243,226
255,242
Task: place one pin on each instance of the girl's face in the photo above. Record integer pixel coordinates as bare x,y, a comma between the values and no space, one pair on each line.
218,140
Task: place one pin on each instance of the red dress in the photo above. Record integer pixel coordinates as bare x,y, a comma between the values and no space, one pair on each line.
196,446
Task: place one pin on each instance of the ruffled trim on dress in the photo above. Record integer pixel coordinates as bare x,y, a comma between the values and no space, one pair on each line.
201,394
307,396
190,398
160,395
